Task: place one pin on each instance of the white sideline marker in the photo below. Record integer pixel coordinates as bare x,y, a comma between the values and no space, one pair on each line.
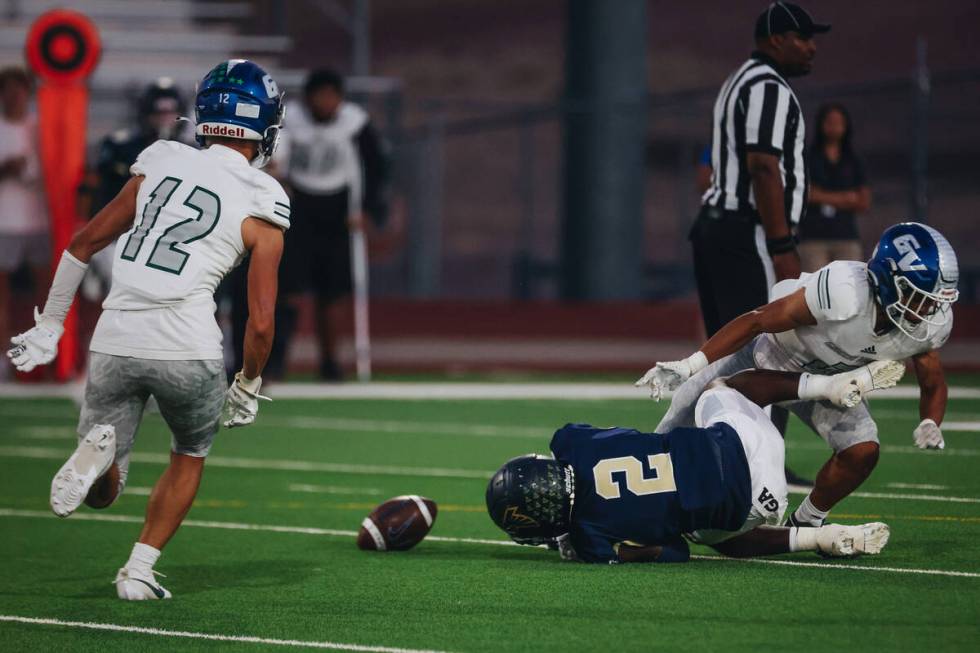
303,530
215,637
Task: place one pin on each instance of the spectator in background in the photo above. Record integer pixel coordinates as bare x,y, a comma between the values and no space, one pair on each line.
838,192
24,227
157,110
330,155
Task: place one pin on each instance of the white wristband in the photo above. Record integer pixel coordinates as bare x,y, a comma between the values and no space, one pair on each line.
697,362
250,385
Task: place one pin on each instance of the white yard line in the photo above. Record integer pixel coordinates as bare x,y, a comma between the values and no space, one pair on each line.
402,427
968,427
214,637
302,530
276,465
796,489
423,391
827,565
330,489
917,486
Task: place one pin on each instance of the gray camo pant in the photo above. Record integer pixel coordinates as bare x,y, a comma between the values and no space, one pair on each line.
190,394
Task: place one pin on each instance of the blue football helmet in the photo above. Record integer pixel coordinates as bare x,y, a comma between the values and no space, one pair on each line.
238,99
914,273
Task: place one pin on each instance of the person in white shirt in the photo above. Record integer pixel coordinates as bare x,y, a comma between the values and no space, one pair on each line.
336,170
898,306
184,219
24,226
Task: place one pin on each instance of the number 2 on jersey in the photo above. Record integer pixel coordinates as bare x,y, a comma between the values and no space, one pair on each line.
166,254
661,465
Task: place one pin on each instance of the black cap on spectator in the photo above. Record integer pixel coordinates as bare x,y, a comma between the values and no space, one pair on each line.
781,17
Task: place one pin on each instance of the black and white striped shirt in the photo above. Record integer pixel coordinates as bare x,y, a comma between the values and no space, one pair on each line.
756,111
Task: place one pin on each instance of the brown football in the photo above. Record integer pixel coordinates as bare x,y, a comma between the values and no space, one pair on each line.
397,524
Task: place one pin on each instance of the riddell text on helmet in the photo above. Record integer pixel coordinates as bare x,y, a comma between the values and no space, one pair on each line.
222,130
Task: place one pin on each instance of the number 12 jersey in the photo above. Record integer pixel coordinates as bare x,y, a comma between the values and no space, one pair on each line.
186,236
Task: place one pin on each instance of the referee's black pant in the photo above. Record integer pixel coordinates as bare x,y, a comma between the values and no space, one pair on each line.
731,266
734,273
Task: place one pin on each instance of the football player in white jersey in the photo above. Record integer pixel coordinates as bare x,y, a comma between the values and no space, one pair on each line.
181,223
896,307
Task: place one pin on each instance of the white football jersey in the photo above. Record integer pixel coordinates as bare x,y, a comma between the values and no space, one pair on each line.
187,235
321,157
841,298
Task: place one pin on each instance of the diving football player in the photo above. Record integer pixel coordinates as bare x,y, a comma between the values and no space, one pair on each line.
898,306
619,495
184,219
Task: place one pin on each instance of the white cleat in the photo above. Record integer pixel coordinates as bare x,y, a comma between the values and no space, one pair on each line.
91,460
134,585
847,389
837,541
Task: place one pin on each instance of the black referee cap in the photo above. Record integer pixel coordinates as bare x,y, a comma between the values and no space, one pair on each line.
780,17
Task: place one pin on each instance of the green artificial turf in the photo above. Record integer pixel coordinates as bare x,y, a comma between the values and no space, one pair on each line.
463,596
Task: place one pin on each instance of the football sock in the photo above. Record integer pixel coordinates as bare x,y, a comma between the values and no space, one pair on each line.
807,513
143,558
813,386
802,539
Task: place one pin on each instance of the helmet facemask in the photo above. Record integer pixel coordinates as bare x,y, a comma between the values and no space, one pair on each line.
915,307
270,137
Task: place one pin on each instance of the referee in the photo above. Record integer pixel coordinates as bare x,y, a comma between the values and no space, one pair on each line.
743,237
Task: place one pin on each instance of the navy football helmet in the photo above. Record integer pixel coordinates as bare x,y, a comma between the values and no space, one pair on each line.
531,498
238,99
914,273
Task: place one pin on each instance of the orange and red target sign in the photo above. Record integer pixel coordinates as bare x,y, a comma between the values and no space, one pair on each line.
63,49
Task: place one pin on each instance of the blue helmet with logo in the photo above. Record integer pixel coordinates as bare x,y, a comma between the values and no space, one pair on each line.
914,273
238,99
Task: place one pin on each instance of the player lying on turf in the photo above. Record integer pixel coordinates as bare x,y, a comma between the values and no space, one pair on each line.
895,307
619,495
200,213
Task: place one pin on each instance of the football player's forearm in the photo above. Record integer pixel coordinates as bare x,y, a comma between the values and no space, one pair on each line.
765,387
258,344
932,402
114,219
756,542
933,391
733,336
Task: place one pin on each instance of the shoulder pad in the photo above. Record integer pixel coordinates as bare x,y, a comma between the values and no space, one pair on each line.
155,152
837,291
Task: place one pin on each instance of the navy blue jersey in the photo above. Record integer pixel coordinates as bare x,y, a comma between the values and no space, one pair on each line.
649,489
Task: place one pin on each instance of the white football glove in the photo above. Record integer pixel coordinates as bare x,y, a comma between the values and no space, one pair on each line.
928,435
36,346
242,401
667,377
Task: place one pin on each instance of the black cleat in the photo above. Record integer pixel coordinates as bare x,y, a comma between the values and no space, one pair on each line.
792,478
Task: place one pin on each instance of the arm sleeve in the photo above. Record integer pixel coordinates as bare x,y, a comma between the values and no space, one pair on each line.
765,117
375,165
832,294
